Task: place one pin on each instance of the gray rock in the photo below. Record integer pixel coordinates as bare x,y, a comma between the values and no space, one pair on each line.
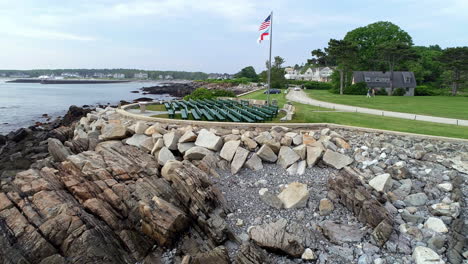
271,200
417,199
341,233
239,159
197,153
295,195
263,137
313,155
112,131
140,127
171,139
229,149
183,147
336,160
425,255
57,150
301,167
136,140
301,151
287,157
274,236
164,156
188,136
266,154
381,183
209,140
254,163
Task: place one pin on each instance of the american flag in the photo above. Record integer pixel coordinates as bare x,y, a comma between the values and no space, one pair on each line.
265,24
265,28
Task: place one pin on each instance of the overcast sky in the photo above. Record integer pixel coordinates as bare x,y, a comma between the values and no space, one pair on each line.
203,35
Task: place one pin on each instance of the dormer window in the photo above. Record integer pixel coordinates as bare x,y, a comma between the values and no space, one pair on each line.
367,79
407,79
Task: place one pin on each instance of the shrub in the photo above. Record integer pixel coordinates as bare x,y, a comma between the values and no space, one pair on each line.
317,85
399,92
359,88
381,92
203,93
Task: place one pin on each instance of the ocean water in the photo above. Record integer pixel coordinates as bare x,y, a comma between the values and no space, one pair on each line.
22,104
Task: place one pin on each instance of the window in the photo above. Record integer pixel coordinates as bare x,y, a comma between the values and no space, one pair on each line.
367,79
407,79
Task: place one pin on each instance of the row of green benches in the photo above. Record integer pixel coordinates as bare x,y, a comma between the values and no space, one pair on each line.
221,110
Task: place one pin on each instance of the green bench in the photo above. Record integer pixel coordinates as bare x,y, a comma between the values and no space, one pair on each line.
184,113
171,113
195,114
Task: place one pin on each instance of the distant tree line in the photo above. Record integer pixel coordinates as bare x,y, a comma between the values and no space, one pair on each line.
129,73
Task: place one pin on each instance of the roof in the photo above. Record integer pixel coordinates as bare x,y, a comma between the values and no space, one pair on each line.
375,79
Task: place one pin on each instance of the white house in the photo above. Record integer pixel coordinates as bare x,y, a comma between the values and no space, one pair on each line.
319,74
141,75
118,75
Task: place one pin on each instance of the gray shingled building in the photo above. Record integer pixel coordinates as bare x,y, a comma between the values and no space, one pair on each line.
381,80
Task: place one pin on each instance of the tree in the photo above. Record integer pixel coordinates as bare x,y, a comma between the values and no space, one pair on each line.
392,53
427,68
345,54
320,58
277,73
248,72
456,60
368,38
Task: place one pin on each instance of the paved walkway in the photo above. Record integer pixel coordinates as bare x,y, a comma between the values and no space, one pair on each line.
302,97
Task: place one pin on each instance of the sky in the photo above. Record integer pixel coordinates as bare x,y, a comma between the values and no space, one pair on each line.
203,35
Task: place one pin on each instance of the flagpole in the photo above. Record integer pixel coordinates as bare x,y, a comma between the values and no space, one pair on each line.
269,61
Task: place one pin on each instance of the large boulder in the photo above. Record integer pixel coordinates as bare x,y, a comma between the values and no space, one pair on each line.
209,140
336,160
183,147
254,163
57,150
274,236
140,127
287,157
113,131
342,233
263,137
267,154
197,153
229,149
239,159
188,136
165,155
295,195
425,255
137,140
313,155
171,139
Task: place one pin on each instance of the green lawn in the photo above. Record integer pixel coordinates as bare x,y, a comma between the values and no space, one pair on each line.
309,114
442,106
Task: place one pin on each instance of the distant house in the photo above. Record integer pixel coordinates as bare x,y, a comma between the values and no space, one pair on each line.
141,75
118,75
318,74
168,77
381,80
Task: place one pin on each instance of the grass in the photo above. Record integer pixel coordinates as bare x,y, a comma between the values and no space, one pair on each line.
309,114
441,106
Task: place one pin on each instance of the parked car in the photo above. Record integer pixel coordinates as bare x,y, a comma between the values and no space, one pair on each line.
273,91
297,89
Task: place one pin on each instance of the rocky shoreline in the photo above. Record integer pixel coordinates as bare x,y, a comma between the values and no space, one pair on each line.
180,90
106,189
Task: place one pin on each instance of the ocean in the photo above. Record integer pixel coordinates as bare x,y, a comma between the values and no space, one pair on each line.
22,104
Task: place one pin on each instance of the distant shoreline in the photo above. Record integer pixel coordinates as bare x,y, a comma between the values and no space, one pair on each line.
66,81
